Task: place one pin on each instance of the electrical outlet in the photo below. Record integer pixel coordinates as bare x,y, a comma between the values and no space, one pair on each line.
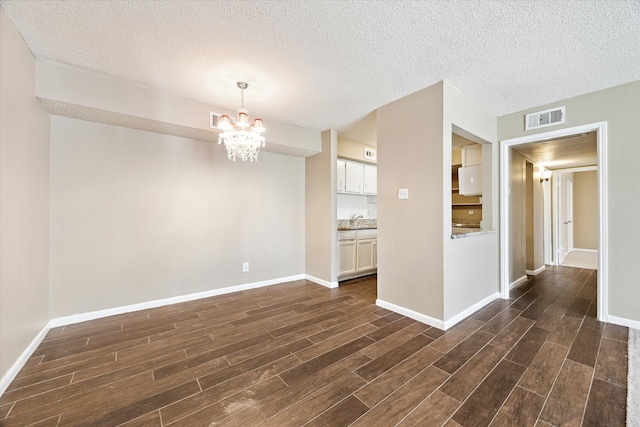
403,193
471,212
245,267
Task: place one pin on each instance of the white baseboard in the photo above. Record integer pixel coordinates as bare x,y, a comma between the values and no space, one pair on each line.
584,250
622,321
436,323
518,281
469,311
26,354
77,318
321,281
534,272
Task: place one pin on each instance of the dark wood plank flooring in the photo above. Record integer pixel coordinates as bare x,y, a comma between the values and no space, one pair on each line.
299,354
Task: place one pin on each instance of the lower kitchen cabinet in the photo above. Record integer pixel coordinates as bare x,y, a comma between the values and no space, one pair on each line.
357,252
347,254
366,254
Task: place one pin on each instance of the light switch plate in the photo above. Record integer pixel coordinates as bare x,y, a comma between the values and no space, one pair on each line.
403,193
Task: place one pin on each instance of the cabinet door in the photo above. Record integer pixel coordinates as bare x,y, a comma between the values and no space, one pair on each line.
370,179
341,175
375,254
354,172
365,254
472,155
346,257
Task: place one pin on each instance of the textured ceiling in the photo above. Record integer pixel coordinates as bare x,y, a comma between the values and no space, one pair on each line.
328,64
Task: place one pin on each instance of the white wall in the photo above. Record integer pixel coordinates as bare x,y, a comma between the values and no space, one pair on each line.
138,216
349,204
470,264
24,200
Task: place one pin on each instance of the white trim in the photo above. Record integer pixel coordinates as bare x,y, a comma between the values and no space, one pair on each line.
601,143
431,321
584,250
623,321
535,272
436,323
518,282
83,317
322,282
92,315
578,169
24,357
470,310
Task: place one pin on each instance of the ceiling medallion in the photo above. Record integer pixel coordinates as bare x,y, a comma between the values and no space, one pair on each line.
243,140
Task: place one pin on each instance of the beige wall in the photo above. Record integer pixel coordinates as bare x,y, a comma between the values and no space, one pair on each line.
138,216
534,218
517,211
620,108
321,224
585,210
529,215
24,200
354,150
410,232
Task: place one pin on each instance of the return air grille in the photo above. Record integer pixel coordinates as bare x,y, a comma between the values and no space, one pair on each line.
213,122
554,116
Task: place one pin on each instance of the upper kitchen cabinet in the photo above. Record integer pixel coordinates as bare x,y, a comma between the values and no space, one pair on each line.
341,176
370,179
472,155
357,178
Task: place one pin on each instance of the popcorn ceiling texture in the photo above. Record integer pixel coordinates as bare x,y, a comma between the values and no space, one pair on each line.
325,64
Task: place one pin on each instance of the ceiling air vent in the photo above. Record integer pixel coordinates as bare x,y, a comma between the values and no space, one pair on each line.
554,116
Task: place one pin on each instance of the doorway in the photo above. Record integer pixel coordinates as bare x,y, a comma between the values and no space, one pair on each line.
506,147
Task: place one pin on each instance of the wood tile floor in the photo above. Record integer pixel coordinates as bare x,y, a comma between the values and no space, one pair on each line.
299,354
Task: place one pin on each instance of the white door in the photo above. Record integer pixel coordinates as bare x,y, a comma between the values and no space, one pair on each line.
569,216
565,215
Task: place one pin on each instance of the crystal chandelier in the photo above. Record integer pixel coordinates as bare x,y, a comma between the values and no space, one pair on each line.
242,139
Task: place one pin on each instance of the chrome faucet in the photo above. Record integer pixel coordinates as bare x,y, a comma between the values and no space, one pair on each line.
354,218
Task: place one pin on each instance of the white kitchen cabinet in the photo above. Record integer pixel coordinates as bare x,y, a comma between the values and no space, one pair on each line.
354,177
470,180
472,155
370,178
357,252
341,176
375,254
346,252
366,256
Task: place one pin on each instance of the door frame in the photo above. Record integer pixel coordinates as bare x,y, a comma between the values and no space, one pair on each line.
555,247
601,143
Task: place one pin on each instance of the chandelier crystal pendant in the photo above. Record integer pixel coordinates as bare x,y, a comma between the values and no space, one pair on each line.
243,140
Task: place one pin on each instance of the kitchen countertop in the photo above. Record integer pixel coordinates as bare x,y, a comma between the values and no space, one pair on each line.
356,227
461,232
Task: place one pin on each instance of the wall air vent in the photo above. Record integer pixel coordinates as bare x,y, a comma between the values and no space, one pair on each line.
213,120
554,116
